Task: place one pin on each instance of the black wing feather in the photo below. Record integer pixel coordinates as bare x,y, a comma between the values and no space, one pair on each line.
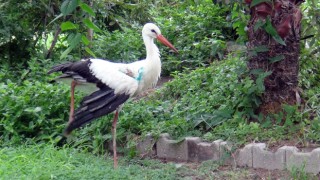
95,105
76,70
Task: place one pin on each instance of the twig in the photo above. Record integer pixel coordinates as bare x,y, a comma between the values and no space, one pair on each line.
55,39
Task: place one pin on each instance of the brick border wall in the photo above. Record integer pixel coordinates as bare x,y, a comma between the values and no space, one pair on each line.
253,155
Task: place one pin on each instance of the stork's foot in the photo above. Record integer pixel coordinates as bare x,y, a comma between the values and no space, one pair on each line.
115,156
61,142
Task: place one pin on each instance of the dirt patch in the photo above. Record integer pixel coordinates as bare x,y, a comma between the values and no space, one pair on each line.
211,170
303,147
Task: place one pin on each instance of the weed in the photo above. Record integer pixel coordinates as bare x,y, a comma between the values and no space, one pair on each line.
301,174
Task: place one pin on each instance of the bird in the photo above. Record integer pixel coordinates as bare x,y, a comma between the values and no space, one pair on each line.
111,84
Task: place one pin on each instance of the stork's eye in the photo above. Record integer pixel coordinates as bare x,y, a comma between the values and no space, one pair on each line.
152,30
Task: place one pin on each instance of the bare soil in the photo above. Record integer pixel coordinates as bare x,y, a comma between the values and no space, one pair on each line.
302,146
209,170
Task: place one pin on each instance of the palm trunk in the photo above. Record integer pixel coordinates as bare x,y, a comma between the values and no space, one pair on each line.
281,86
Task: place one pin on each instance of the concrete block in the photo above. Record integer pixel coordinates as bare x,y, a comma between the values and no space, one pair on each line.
314,163
309,162
290,151
244,156
207,151
217,142
165,135
226,153
171,150
145,146
266,159
192,144
185,150
254,155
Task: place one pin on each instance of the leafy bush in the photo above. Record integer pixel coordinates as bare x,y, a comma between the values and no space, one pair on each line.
214,94
32,110
36,70
20,30
198,30
120,46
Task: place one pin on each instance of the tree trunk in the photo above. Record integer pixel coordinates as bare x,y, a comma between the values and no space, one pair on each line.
282,61
90,31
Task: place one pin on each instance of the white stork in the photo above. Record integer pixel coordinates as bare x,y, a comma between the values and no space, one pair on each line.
116,82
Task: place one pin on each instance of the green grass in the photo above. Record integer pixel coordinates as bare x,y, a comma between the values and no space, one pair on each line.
47,162
43,161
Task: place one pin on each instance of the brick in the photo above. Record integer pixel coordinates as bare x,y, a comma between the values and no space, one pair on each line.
145,147
216,145
244,156
266,159
309,162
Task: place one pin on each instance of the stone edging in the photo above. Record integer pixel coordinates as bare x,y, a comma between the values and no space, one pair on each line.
253,155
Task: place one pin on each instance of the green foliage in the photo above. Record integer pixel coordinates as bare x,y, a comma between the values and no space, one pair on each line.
220,91
256,2
78,32
300,173
199,31
31,110
125,46
40,161
240,20
309,79
46,162
268,27
311,26
68,6
36,71
20,29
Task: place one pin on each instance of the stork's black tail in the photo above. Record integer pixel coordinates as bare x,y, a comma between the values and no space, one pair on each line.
95,105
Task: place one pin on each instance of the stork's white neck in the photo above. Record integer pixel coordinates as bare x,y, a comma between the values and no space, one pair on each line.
153,63
151,49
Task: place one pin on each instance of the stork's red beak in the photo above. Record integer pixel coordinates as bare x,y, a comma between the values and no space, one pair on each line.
164,41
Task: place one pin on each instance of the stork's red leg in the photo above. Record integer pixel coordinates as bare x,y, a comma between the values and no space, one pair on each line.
114,143
71,114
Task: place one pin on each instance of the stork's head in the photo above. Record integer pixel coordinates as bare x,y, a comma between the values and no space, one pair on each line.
154,32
